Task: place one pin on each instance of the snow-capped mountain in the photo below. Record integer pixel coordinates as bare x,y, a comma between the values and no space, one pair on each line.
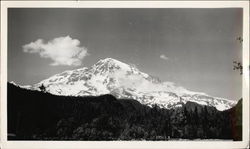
110,76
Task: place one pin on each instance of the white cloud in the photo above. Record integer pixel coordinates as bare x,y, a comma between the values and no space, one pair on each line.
164,57
61,50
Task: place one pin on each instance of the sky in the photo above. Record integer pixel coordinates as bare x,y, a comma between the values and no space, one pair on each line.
194,48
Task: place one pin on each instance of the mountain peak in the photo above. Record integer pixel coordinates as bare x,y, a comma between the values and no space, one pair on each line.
111,65
108,59
111,61
111,76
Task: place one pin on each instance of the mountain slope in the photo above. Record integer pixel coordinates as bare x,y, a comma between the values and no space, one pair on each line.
110,76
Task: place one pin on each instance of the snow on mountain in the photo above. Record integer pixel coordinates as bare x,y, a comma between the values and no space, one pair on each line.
110,76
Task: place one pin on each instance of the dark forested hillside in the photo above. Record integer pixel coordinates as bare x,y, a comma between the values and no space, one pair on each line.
34,115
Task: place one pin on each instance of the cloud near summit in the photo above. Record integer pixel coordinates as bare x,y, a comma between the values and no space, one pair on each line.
164,57
61,50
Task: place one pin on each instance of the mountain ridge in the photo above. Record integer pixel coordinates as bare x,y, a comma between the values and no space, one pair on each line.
111,76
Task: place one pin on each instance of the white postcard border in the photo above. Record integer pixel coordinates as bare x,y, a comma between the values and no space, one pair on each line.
123,144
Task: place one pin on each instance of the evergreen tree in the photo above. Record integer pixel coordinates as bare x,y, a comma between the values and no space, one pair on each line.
42,88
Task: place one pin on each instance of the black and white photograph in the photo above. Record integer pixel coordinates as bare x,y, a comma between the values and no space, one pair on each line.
125,74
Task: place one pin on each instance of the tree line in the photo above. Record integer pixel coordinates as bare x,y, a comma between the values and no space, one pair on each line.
34,115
